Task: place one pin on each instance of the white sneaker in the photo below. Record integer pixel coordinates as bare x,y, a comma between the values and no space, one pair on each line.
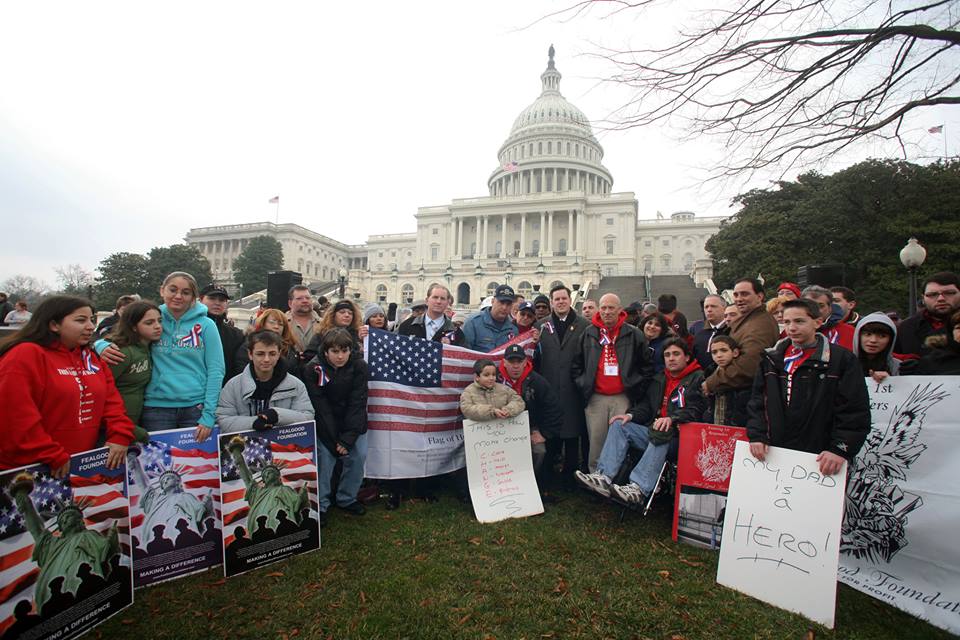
596,482
630,493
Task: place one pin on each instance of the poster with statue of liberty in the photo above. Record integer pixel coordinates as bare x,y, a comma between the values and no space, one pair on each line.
902,510
64,548
268,480
174,486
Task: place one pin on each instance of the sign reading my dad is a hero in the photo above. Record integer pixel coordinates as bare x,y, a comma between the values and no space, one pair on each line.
781,533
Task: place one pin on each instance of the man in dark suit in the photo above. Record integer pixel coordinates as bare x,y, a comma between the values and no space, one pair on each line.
559,337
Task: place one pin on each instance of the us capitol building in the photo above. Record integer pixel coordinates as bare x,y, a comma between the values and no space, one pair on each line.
551,216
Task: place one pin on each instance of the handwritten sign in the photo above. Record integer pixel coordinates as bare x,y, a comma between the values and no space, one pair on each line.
781,541
500,469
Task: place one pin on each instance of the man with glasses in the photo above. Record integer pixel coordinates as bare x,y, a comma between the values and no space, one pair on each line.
941,297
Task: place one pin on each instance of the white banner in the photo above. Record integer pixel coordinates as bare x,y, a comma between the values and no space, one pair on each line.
408,454
781,532
500,469
903,512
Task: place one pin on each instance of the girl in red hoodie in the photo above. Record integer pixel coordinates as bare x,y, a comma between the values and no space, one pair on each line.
61,389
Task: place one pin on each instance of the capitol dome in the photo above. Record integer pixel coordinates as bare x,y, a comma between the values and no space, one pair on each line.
551,148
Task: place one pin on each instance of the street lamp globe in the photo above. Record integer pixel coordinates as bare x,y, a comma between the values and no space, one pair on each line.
913,254
343,272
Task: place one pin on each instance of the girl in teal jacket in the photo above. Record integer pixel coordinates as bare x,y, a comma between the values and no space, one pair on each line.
188,365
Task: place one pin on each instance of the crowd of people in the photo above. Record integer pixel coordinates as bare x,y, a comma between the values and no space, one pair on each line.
792,370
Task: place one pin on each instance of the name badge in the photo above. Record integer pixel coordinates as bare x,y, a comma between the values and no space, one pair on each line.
611,370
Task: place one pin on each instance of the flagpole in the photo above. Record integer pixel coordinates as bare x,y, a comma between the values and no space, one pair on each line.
276,218
944,143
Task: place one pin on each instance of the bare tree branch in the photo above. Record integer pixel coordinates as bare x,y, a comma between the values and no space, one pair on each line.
786,83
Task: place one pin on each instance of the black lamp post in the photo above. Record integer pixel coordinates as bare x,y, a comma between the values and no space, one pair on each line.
912,257
343,281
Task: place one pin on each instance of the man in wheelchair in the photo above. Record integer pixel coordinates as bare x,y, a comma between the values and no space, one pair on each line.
673,397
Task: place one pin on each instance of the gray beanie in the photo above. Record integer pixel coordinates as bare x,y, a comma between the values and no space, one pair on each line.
372,309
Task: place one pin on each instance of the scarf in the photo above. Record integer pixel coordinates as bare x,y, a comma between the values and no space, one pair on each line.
793,357
672,391
516,385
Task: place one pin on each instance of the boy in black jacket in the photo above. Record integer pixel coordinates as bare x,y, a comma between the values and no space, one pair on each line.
672,398
808,395
337,384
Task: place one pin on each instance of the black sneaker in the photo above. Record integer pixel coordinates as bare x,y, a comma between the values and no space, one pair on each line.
354,508
393,501
322,518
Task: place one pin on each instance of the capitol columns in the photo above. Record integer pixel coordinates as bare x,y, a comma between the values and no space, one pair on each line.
543,232
503,235
523,235
459,246
549,251
580,226
570,239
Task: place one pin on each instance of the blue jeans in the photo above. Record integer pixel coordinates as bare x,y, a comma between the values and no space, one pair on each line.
163,418
619,439
350,477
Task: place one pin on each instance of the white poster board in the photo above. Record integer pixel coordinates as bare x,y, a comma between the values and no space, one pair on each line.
900,534
500,469
781,532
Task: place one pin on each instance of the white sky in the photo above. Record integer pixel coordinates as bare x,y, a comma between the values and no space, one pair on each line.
124,124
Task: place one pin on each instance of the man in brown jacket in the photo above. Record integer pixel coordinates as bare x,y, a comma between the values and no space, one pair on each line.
755,331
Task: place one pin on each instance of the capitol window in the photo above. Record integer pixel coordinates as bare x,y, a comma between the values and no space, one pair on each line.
609,221
610,246
406,293
647,243
666,242
381,293
436,231
434,253
550,147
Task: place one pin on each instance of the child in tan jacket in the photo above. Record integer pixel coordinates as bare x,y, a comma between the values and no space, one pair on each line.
485,399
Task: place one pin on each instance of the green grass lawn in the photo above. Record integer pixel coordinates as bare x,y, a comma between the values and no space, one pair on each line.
432,571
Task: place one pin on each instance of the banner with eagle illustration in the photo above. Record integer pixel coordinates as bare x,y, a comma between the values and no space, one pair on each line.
902,512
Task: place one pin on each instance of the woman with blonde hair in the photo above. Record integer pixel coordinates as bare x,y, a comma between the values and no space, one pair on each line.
276,321
343,315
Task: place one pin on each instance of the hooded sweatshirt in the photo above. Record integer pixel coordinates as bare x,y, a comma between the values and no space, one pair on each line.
890,364
188,363
57,400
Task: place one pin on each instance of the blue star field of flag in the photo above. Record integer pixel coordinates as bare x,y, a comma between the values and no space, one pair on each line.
48,495
155,459
257,455
404,359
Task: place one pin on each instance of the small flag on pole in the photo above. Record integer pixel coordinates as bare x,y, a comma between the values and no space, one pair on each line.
936,129
274,200
510,167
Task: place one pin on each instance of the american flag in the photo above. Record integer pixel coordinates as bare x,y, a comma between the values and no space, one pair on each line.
100,492
197,468
300,467
936,129
414,393
510,167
